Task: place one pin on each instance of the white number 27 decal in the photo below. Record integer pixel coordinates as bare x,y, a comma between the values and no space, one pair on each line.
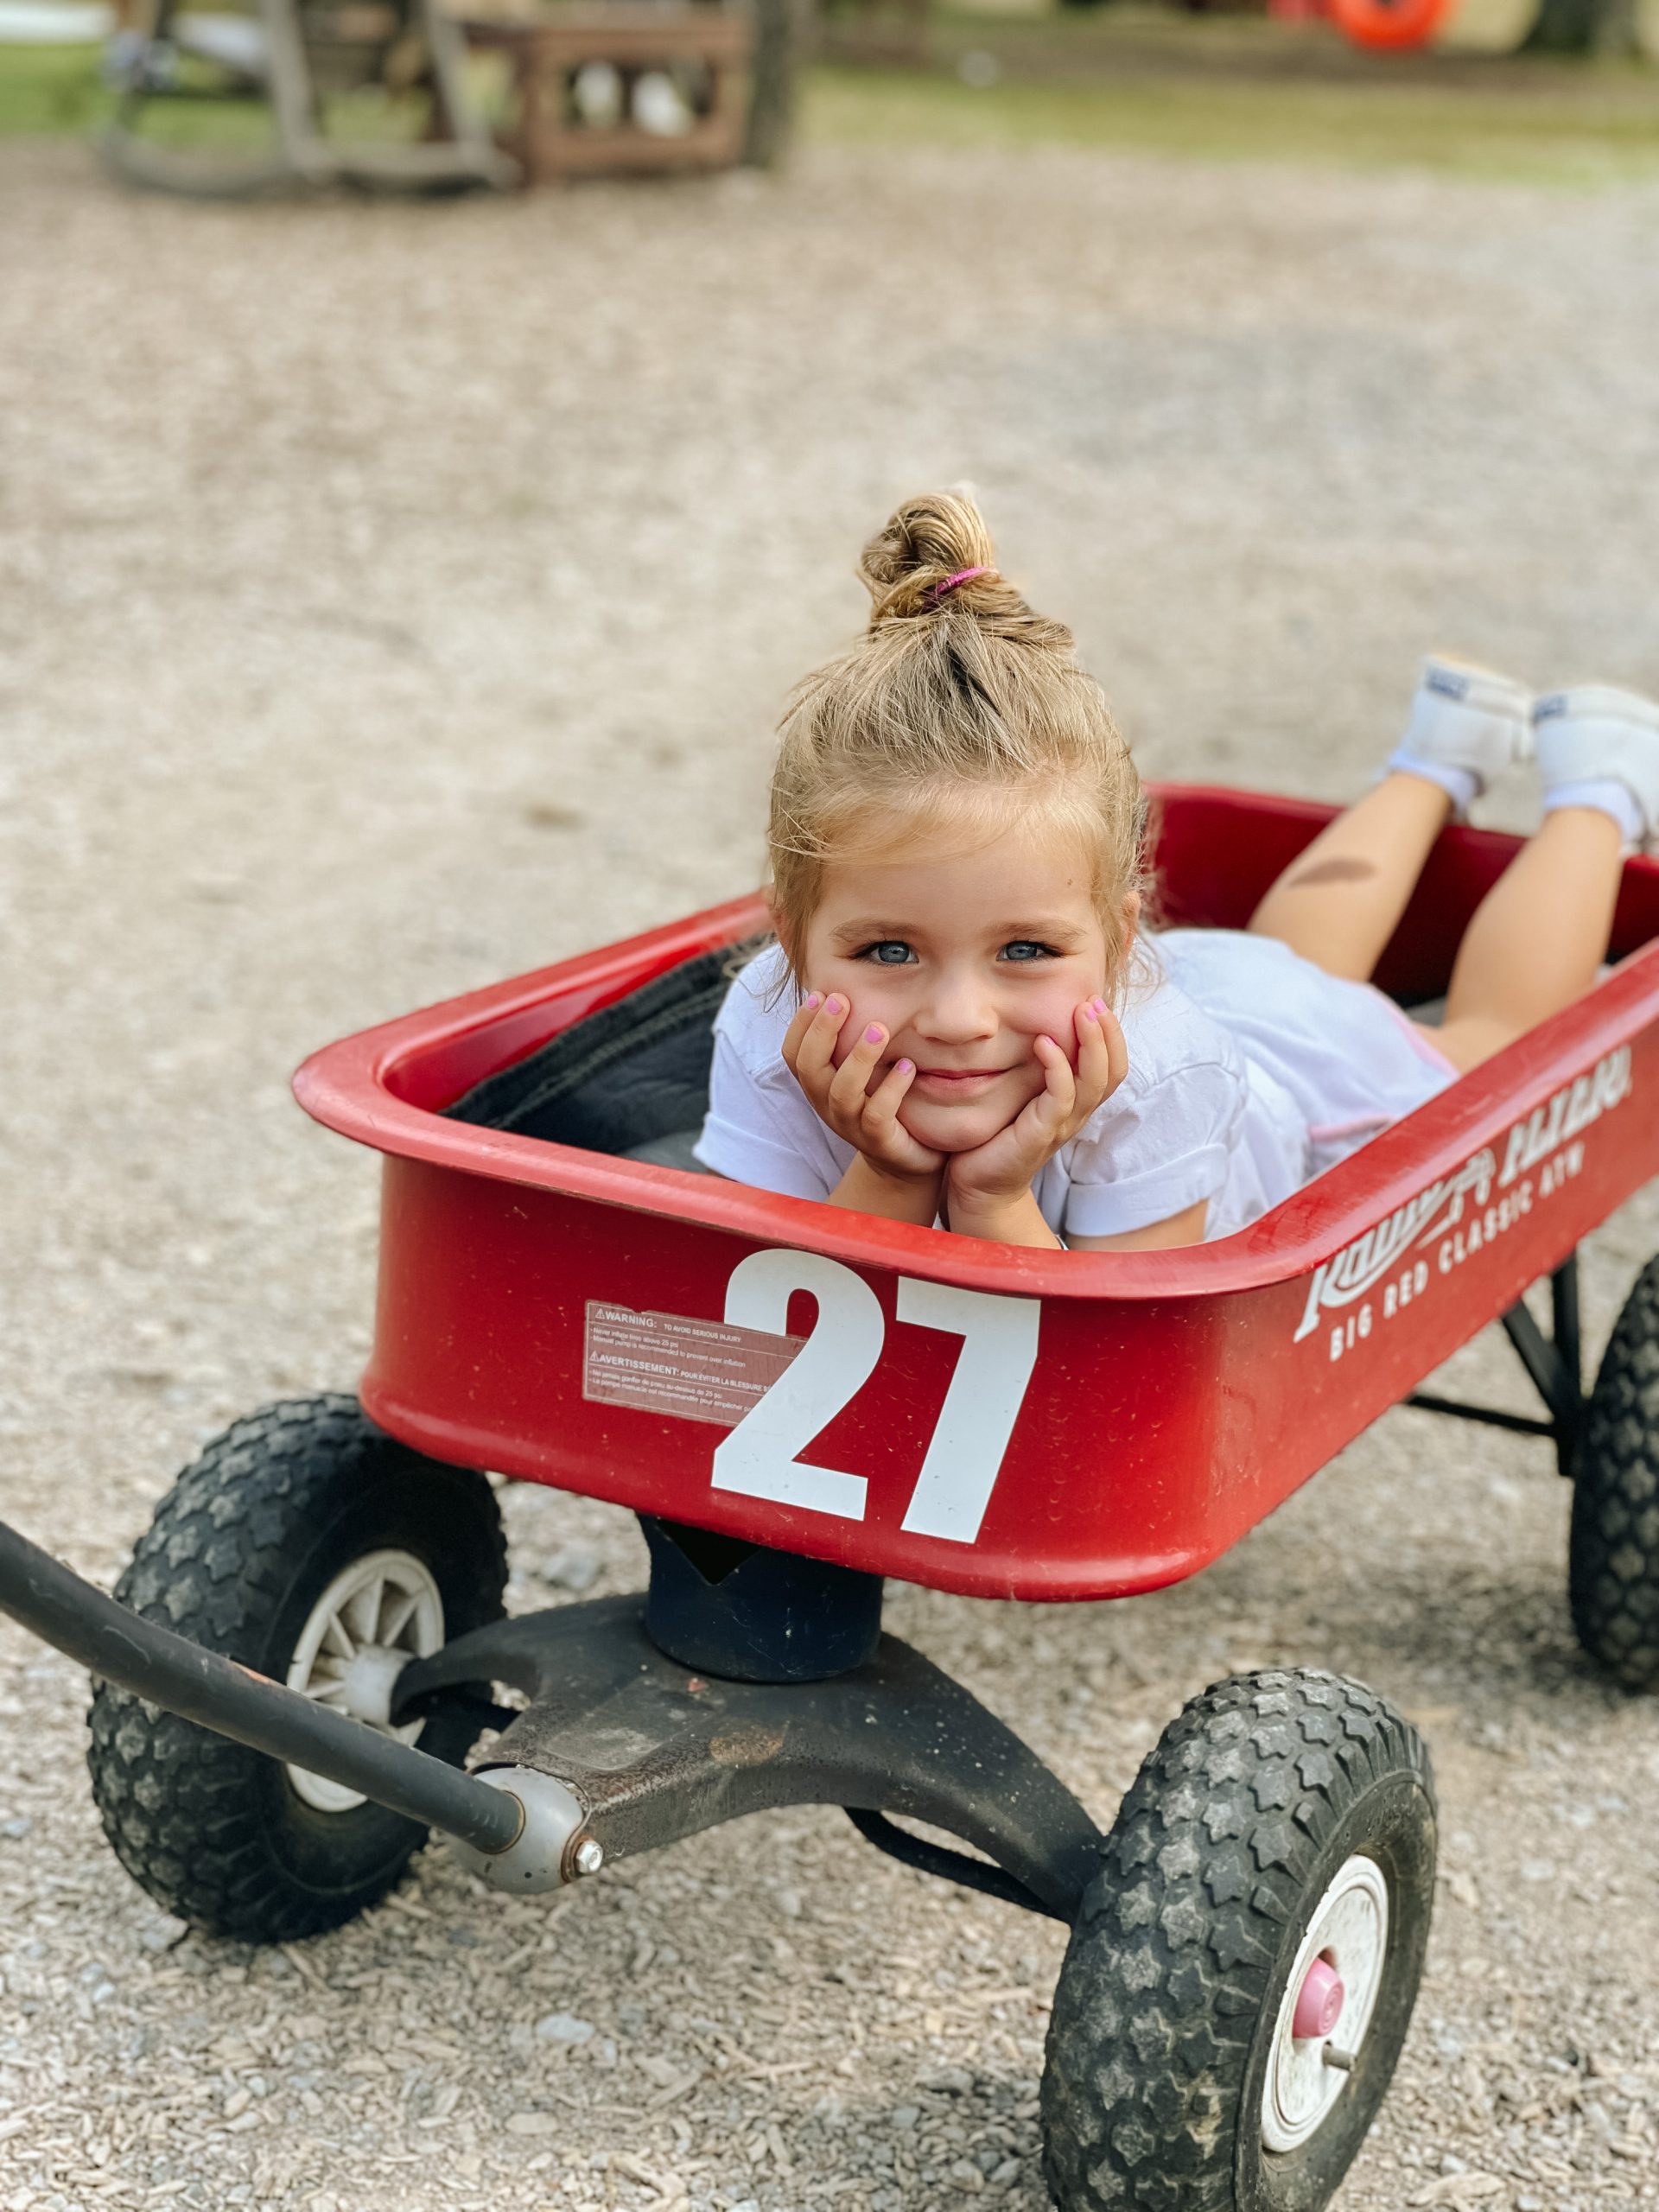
762,1456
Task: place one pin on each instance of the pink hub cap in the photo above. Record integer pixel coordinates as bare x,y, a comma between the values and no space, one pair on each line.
1319,2005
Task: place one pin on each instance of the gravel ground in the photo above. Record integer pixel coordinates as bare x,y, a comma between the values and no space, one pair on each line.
394,599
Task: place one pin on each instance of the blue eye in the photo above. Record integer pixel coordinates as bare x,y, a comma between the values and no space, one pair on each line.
888,953
1025,950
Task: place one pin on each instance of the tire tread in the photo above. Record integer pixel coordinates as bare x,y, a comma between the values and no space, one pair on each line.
1174,1950
218,1555
1613,1553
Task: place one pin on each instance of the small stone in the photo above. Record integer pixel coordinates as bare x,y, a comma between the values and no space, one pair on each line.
15,1830
789,1903
966,2175
950,2081
565,2027
532,2123
1537,1870
1006,2175
576,1567
906,2116
1452,2164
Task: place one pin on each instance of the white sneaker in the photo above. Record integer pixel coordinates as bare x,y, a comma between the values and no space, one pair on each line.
1468,719
1594,734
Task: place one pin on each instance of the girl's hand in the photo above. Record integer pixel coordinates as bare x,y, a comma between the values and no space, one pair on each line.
842,1096
983,1185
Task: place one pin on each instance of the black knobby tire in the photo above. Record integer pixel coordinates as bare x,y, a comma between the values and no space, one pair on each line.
236,1558
1164,2023
1613,1551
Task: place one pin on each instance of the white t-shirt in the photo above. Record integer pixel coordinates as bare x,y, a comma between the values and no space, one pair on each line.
1250,1070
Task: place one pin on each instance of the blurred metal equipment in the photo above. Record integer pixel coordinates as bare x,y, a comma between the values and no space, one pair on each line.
192,84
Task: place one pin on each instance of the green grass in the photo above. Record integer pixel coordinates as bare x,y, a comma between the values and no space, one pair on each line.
50,90
1244,88
1537,139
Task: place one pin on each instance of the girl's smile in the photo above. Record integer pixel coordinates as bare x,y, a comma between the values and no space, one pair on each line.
963,956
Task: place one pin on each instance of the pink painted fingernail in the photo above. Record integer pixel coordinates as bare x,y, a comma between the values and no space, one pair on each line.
1100,1005
813,1002
905,1067
1091,1012
871,1035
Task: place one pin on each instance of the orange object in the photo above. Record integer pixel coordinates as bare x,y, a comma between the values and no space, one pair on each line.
1389,23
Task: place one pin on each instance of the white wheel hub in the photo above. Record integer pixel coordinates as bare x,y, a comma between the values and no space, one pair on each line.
378,1614
1334,1985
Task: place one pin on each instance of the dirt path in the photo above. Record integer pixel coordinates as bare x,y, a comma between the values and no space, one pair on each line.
392,600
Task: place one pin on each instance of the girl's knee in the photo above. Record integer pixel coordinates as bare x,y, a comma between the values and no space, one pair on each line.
1471,1037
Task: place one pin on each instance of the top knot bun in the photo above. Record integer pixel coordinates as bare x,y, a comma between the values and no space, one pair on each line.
923,544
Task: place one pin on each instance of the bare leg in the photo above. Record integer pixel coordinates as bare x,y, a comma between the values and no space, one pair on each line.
1338,903
1537,938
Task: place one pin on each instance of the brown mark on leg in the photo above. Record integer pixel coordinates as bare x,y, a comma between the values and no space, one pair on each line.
1331,871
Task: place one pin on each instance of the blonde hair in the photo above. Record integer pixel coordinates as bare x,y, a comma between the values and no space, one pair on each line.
958,706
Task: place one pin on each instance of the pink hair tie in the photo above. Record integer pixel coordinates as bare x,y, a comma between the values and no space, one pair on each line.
950,582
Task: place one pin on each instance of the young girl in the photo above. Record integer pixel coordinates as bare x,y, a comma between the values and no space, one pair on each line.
961,1021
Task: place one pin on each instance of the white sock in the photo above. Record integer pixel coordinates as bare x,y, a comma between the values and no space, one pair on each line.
1462,785
1607,796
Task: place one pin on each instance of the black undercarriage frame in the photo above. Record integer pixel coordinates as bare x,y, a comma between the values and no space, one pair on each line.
1556,1365
714,1698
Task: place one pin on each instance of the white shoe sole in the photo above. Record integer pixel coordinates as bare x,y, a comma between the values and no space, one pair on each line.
1594,734
1467,717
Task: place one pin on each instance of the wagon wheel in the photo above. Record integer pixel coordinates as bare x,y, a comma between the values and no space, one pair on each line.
192,113
1613,1552
1242,1971
310,1546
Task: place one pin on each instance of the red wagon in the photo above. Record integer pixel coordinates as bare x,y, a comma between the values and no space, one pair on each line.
800,1401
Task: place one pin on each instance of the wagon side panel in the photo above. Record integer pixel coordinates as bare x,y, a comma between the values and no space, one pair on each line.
996,1444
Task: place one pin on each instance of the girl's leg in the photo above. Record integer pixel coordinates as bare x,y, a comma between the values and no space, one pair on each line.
1541,932
1538,937
1338,903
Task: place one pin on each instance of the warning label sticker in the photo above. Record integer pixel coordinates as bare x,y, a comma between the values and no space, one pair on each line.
666,1363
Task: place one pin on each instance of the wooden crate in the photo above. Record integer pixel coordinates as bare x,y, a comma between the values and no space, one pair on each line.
548,143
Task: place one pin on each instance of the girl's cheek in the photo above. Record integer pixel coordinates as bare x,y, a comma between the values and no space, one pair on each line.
867,1005
858,1020
1052,1019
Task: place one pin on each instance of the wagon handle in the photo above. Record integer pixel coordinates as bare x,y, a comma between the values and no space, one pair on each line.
75,1617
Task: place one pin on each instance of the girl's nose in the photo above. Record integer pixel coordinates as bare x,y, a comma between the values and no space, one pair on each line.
958,1013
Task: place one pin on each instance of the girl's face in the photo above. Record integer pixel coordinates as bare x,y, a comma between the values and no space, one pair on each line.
965,958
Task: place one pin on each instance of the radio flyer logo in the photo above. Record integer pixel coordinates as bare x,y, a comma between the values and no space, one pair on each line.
1460,1213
